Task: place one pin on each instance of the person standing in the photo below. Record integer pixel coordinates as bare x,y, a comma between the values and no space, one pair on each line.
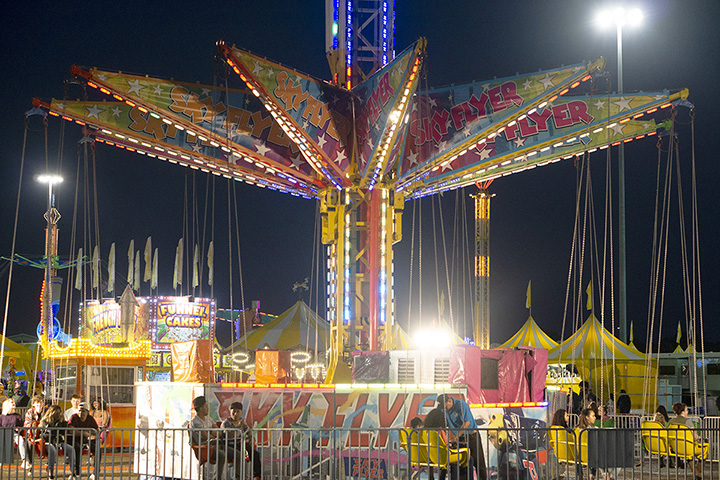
623,403
238,448
459,418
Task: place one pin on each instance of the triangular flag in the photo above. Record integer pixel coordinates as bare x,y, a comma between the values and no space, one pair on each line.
177,273
131,262
136,280
195,279
79,270
679,335
96,267
631,332
148,260
154,277
589,296
211,264
527,296
111,268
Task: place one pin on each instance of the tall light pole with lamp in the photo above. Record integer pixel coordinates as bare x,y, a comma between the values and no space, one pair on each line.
621,17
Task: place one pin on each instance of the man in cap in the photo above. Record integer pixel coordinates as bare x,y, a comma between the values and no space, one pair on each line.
238,439
459,418
200,426
86,432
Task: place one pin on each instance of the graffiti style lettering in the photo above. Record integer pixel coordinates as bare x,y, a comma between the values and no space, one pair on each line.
526,129
387,415
579,112
146,123
288,92
238,118
365,468
260,123
540,119
439,127
104,319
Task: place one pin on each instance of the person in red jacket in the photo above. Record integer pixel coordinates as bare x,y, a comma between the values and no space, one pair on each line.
86,433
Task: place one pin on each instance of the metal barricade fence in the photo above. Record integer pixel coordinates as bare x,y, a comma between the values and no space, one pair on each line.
712,425
339,453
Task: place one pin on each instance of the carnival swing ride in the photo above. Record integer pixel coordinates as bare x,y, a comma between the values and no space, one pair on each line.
360,145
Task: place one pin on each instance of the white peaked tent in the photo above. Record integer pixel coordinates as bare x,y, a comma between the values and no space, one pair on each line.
530,335
295,328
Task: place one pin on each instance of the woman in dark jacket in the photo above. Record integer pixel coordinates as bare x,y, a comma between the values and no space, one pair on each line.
54,429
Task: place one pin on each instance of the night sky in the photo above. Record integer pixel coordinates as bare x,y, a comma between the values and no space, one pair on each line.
532,212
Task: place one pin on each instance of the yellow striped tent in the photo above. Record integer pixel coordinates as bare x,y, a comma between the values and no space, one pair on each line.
530,335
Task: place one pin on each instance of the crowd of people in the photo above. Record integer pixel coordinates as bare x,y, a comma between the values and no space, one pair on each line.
595,416
47,430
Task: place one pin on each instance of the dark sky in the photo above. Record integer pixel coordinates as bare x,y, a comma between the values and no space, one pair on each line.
532,213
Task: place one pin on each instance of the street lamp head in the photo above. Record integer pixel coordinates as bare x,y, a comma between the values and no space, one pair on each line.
49,178
619,17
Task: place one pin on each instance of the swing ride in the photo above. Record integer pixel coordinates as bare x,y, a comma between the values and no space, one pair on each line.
359,145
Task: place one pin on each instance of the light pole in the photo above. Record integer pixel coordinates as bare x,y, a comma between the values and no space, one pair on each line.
52,216
621,17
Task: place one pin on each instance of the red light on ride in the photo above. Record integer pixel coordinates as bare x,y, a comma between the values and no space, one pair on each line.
652,110
666,105
130,103
586,78
143,109
117,97
574,84
53,113
563,92
625,120
553,98
91,84
79,122
105,90
67,118
616,144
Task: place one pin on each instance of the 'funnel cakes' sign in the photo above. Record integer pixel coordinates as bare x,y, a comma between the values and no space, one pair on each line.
176,319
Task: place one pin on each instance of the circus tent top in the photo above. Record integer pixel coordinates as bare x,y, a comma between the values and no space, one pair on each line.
298,326
530,335
593,342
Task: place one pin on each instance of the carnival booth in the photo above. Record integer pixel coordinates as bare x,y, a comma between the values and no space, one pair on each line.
607,363
16,358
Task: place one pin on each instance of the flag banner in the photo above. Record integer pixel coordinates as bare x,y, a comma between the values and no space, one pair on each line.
111,268
136,280
560,129
527,297
131,262
678,337
320,111
196,259
154,278
211,263
177,273
96,268
589,293
117,124
384,99
446,120
79,270
631,332
148,259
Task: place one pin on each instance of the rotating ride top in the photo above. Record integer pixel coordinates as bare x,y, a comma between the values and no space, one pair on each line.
362,144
